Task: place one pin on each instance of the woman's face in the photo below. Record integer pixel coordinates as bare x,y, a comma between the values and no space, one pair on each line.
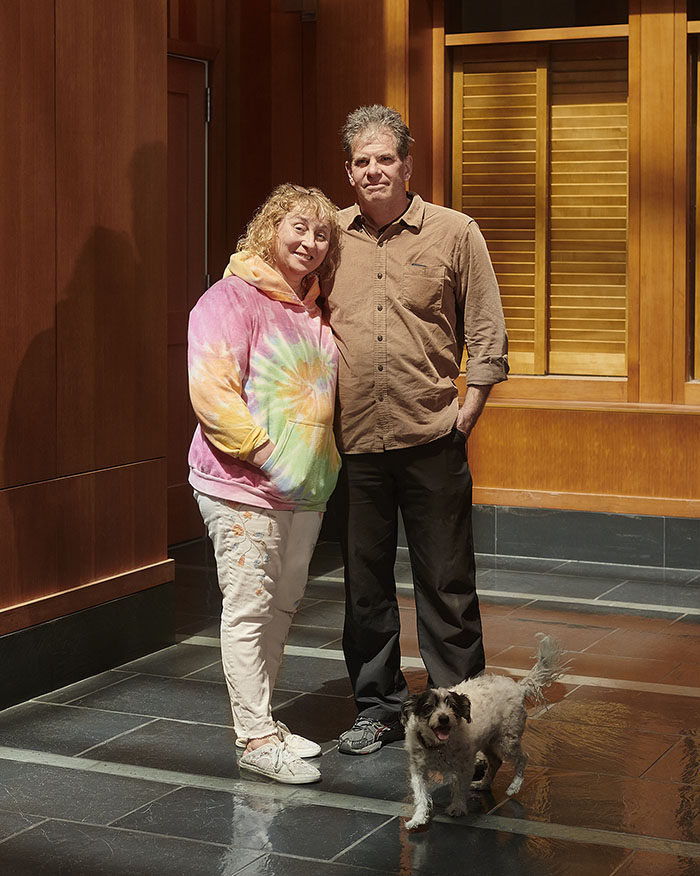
300,246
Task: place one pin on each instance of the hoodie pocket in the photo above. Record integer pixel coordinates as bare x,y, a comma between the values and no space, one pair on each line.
304,465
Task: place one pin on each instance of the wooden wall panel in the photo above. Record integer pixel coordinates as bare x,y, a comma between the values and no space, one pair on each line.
248,85
420,94
395,54
632,461
220,140
361,58
27,614
194,21
286,108
27,243
186,275
61,534
83,171
111,207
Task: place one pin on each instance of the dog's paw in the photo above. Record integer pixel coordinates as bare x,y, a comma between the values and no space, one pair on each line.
514,787
481,785
416,822
454,810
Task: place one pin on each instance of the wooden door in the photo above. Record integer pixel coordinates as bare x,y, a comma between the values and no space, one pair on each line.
187,271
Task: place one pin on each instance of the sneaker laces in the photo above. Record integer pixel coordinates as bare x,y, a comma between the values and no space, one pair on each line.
364,721
278,758
284,756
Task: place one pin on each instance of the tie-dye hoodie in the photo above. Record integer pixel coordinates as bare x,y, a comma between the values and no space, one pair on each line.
262,364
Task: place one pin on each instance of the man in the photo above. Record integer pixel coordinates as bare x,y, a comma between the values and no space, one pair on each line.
415,281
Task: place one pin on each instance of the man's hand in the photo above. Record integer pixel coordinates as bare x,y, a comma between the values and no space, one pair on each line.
474,402
261,454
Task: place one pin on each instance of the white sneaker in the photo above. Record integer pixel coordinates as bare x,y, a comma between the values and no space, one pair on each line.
300,746
277,762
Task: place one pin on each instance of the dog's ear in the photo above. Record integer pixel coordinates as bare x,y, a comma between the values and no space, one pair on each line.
408,707
462,706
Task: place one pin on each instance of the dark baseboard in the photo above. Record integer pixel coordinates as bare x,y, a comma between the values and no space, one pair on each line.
586,536
51,655
624,539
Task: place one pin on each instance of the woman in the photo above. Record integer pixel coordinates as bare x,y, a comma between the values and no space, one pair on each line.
262,370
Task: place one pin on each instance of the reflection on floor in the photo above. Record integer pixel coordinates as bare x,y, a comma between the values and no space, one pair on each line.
134,771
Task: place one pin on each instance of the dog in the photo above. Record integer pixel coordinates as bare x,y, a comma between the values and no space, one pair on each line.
446,728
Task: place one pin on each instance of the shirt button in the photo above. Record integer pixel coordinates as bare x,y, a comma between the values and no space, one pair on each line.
380,276
380,367
379,307
380,337
380,398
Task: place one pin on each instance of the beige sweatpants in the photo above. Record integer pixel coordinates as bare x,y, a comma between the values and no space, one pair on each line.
262,560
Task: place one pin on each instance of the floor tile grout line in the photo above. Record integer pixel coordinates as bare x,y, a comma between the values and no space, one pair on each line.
370,833
117,736
590,565
584,680
571,833
622,866
622,573
548,597
679,741
360,868
611,589
151,718
42,819
306,795
127,677
112,824
617,683
605,633
141,832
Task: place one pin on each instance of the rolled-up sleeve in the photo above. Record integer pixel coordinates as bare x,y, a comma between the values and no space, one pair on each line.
484,325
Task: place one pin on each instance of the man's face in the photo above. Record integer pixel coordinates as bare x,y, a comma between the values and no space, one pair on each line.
377,173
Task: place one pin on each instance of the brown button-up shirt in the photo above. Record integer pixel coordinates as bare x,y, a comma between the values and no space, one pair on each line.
402,305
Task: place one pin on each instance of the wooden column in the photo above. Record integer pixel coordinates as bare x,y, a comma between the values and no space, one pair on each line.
658,192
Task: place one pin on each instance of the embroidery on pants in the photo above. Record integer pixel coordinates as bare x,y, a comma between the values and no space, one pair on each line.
251,548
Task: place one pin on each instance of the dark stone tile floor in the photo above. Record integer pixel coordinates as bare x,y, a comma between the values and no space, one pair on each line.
134,771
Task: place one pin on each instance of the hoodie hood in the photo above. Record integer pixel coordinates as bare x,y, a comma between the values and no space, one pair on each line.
256,272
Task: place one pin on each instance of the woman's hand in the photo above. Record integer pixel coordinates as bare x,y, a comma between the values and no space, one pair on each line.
261,454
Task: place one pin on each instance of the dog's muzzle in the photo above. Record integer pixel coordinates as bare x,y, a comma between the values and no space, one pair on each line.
442,731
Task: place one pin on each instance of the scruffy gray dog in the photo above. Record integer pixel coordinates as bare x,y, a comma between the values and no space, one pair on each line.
447,727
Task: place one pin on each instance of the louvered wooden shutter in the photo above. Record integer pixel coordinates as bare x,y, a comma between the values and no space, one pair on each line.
540,161
495,184
588,224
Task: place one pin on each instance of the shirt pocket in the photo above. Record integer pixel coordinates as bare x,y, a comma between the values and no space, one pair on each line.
421,288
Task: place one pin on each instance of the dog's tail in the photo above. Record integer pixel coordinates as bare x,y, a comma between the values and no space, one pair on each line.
550,665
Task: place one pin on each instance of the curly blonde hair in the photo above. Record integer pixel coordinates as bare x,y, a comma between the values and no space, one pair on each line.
261,232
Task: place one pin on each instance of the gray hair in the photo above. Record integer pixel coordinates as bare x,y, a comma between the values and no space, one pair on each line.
376,119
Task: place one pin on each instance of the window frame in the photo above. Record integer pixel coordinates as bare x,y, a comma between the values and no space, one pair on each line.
576,388
641,387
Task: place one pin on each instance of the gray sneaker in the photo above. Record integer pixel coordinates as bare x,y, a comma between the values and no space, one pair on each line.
368,734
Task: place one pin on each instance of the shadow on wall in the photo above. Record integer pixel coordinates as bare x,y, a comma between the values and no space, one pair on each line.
105,358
